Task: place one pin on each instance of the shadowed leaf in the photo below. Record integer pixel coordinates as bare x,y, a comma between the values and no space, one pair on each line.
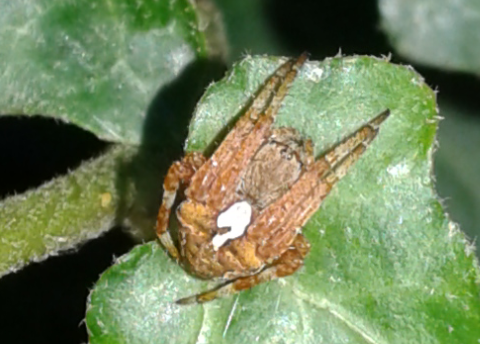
443,34
97,64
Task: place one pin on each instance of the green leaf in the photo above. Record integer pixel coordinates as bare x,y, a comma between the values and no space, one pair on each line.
386,264
438,33
258,37
62,213
96,64
457,166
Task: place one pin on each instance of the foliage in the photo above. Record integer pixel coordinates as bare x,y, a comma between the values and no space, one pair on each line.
384,258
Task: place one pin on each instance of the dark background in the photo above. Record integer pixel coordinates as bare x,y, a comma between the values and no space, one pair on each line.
45,302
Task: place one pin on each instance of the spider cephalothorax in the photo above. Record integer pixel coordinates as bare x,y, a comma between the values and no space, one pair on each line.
244,207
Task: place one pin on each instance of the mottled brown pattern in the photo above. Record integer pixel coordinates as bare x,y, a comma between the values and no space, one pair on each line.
275,172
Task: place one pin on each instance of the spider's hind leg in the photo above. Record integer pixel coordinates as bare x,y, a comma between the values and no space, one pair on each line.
179,173
289,262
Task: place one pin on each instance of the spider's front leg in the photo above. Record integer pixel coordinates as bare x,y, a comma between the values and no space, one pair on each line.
216,181
179,173
289,262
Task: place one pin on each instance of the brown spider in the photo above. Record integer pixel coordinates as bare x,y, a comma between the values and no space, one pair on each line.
244,208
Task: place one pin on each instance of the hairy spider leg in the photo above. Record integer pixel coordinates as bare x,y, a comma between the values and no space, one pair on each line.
180,172
289,262
215,182
309,150
272,228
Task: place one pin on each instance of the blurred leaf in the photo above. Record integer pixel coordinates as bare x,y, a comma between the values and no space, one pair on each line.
60,214
386,265
256,37
97,64
457,167
438,33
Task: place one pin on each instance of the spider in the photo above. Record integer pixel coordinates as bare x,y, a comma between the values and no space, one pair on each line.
241,218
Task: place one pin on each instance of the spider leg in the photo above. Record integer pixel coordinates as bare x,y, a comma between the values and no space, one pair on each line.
218,176
179,173
289,262
272,229
310,158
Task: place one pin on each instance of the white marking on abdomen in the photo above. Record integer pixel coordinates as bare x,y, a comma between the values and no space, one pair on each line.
237,217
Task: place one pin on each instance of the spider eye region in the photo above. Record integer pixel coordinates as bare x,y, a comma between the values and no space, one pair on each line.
238,216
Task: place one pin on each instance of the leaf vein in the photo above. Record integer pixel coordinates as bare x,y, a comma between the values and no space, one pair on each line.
230,316
342,316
